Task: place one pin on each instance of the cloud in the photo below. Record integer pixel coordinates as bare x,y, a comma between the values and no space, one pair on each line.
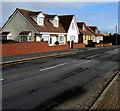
49,7
103,18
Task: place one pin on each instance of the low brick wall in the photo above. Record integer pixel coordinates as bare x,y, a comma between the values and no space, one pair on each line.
32,47
107,44
79,45
97,45
29,47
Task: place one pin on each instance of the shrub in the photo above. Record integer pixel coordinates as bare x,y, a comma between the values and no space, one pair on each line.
56,43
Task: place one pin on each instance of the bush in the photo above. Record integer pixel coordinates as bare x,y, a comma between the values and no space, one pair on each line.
56,43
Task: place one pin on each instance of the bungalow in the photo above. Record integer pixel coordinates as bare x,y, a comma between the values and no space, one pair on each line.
86,34
99,36
89,34
25,26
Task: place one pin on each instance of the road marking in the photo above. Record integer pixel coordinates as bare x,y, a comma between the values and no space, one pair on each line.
92,49
1,79
56,66
108,52
24,61
92,56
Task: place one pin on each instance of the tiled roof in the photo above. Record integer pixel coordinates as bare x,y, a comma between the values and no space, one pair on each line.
49,16
93,28
65,20
48,27
86,30
34,13
81,23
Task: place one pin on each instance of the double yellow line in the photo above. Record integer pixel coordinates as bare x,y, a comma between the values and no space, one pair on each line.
25,61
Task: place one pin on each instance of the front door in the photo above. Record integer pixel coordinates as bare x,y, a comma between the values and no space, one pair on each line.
53,39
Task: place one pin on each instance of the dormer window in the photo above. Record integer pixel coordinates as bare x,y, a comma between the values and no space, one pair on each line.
96,31
83,27
40,19
73,26
56,21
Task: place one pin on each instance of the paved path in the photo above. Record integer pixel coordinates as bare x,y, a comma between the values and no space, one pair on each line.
14,58
109,99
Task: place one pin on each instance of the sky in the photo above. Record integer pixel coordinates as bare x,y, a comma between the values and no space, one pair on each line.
101,14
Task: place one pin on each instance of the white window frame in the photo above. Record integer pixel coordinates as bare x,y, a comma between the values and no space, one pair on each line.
61,38
4,37
21,38
45,38
41,21
72,37
73,26
55,22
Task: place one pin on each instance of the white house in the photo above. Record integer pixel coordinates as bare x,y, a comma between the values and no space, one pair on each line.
70,25
25,26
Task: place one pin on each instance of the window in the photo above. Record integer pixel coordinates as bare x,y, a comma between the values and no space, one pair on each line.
23,39
61,38
72,37
4,37
73,26
40,21
96,31
55,22
45,38
83,27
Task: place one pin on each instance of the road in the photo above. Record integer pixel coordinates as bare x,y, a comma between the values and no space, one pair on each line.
51,82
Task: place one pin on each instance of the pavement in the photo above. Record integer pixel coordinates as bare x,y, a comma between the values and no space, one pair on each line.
110,97
16,58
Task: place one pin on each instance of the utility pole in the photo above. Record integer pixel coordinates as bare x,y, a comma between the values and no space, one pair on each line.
116,34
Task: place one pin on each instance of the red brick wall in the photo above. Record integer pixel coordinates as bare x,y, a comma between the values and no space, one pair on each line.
79,45
107,44
29,47
32,47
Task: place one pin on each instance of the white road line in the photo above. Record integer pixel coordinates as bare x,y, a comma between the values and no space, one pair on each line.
92,49
93,56
108,52
1,79
56,66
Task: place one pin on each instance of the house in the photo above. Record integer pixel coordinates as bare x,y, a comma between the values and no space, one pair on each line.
89,34
99,36
69,23
26,26
86,34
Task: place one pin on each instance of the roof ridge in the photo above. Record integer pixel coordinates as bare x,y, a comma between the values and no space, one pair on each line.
27,10
24,9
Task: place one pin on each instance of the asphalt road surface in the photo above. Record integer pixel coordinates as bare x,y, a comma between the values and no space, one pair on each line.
53,82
